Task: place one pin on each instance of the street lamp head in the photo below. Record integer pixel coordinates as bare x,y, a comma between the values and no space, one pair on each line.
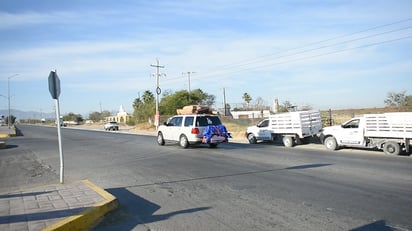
12,76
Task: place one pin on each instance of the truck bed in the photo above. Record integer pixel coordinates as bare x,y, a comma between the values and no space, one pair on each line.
303,123
390,125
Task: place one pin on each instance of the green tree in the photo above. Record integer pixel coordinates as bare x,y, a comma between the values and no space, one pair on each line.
286,106
396,99
258,104
197,96
12,119
172,101
73,117
247,98
144,107
98,116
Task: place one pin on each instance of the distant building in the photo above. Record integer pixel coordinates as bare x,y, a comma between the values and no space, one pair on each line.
276,106
250,114
120,117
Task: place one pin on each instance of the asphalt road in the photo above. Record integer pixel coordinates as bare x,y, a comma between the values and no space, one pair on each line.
233,187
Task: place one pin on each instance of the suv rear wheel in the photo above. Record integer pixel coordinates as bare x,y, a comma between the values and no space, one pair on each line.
213,145
183,142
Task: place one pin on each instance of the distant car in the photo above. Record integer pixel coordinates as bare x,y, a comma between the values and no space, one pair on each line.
193,129
62,123
111,126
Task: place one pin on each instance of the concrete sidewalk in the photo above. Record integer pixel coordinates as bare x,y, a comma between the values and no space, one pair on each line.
5,130
5,133
70,206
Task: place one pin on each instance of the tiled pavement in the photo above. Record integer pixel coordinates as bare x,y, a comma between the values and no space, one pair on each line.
72,206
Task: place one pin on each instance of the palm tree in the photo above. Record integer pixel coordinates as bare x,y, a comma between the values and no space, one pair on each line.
246,97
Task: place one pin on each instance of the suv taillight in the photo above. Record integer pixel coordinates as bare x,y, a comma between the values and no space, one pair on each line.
195,131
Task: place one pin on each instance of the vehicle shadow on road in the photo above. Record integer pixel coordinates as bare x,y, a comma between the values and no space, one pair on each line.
379,225
135,210
236,174
19,132
10,146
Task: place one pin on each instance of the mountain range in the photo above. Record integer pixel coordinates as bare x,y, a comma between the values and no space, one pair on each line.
28,114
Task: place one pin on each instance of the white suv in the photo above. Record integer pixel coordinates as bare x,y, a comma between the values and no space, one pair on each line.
193,129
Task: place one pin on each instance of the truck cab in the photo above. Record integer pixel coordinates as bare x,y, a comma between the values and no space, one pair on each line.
260,131
350,133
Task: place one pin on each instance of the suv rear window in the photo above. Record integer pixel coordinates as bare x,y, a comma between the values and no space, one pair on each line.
202,121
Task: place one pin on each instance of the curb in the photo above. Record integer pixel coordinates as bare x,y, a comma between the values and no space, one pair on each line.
88,218
3,138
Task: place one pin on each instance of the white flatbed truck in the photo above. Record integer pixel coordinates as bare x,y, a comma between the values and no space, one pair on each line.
291,127
390,132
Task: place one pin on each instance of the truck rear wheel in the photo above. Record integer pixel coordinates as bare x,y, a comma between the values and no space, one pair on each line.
288,141
330,143
391,148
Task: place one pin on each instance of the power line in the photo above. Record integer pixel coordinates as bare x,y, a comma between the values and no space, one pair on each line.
228,69
241,63
325,54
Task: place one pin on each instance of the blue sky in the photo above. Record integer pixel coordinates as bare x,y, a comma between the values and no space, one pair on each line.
326,54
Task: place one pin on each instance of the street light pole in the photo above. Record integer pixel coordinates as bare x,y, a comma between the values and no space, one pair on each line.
8,92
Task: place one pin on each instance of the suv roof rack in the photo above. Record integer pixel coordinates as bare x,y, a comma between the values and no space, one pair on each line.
194,109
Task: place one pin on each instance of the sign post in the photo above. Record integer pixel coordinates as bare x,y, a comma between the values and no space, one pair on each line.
54,88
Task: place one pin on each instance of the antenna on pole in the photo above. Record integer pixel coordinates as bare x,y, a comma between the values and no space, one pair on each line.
188,77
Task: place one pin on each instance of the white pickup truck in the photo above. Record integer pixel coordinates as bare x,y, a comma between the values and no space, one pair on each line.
390,132
291,127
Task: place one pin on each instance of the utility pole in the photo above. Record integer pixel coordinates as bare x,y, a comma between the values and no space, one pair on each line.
8,92
224,101
188,77
158,91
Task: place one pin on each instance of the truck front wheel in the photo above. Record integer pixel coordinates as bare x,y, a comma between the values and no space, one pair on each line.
251,138
391,148
330,143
